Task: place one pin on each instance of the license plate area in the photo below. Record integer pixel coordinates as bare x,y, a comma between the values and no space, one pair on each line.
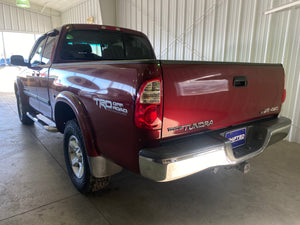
236,137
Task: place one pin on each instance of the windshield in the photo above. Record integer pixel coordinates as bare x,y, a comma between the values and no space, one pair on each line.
105,45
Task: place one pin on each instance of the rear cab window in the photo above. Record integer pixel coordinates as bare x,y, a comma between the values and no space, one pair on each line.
89,45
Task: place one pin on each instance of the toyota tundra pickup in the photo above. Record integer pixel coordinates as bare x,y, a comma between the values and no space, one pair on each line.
120,107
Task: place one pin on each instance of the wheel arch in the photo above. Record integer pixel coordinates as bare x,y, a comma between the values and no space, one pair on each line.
18,85
67,107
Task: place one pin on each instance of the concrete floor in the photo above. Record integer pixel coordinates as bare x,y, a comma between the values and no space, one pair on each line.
35,188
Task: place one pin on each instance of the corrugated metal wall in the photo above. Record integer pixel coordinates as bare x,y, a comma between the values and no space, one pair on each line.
223,30
16,19
80,13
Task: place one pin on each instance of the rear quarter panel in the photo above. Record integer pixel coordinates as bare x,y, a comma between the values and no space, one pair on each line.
100,87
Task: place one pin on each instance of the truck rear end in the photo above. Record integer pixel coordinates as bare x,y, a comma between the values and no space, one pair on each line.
212,114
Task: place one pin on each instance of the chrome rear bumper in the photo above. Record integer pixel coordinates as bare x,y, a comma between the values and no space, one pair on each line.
176,159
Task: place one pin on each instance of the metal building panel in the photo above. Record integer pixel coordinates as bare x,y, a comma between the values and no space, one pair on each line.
80,13
233,21
262,28
14,18
2,22
292,72
157,27
165,30
72,14
246,24
151,21
189,29
31,22
133,18
210,17
172,29
296,121
144,15
220,31
21,20
34,22
128,14
17,19
47,24
139,15
279,26
120,12
89,5
180,29
199,25
7,18
290,61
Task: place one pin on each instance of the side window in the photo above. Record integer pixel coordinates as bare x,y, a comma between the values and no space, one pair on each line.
48,50
36,58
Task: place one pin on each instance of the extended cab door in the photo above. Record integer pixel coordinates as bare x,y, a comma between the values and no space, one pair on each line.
43,78
29,81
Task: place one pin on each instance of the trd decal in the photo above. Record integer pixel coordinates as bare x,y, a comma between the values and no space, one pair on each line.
111,106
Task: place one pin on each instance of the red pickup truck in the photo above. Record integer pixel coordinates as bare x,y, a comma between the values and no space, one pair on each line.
120,107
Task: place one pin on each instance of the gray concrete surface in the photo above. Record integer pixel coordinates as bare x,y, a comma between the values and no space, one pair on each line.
35,188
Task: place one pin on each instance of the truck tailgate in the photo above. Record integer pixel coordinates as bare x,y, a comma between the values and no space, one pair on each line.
200,96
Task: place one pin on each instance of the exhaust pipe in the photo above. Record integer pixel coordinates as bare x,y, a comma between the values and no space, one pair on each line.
244,167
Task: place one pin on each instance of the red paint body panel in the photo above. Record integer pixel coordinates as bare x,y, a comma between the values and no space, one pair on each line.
196,92
115,135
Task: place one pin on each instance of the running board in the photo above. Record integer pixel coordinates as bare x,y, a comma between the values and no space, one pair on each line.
41,123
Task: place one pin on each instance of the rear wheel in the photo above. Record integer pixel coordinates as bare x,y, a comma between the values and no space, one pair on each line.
22,110
77,162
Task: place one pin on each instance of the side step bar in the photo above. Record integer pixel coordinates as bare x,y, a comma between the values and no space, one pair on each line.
43,124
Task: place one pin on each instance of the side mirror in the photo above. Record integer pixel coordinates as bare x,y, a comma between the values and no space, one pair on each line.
17,60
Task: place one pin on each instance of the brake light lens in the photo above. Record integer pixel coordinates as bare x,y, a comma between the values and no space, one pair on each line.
148,109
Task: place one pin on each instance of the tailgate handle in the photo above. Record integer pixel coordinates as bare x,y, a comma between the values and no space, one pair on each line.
240,81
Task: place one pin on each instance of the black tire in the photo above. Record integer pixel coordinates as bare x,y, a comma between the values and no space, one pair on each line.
22,110
74,149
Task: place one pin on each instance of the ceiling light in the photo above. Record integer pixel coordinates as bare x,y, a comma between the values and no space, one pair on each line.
90,20
23,3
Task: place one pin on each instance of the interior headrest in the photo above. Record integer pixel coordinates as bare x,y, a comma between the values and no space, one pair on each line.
82,48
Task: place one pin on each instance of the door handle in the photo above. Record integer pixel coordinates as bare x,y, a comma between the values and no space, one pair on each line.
240,81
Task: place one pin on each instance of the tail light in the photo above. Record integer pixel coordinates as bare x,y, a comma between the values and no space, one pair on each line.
284,91
148,108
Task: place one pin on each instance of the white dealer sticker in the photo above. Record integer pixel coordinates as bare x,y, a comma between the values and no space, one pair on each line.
111,106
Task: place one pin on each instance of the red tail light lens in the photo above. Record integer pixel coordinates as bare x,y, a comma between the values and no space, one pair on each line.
148,109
